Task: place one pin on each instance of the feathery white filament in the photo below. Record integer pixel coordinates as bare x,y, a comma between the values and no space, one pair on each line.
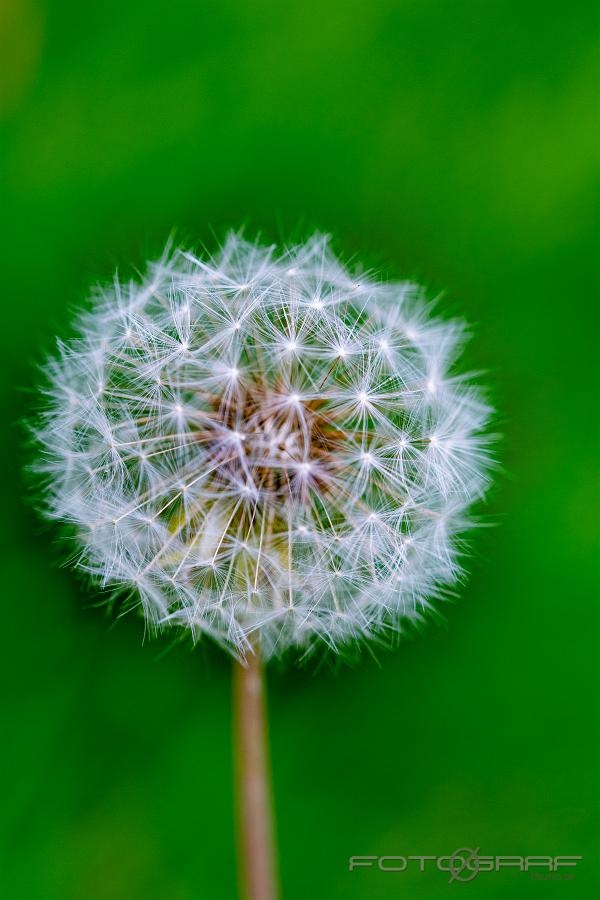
259,445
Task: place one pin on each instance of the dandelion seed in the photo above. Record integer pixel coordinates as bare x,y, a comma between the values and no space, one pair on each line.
316,499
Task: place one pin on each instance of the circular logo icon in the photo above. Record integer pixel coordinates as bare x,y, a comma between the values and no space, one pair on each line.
463,865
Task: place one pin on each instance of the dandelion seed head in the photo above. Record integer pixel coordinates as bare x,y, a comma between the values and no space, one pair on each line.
236,444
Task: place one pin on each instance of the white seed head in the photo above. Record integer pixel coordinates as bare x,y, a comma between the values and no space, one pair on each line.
260,448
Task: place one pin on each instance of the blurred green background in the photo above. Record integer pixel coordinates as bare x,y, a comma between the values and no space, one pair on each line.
449,141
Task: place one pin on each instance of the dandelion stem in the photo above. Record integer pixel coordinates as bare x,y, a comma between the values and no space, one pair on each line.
256,847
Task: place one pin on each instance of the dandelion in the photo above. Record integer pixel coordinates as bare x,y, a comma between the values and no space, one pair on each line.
259,448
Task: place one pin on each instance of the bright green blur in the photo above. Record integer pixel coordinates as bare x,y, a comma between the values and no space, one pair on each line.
453,142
